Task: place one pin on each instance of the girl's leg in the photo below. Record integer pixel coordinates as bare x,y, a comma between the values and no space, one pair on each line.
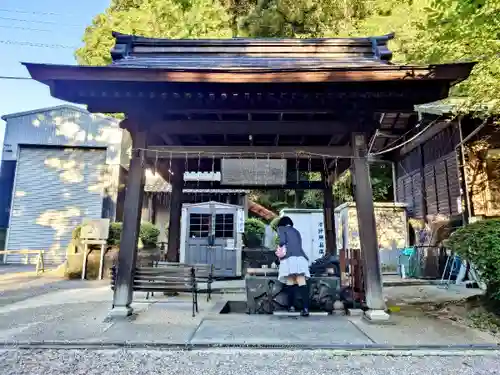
290,292
304,293
300,280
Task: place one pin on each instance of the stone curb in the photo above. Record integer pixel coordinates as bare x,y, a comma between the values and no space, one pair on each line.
372,349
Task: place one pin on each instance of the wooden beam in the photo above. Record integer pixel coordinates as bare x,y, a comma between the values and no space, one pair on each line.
249,127
302,152
300,185
167,138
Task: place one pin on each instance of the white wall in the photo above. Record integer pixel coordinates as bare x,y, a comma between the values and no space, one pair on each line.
63,126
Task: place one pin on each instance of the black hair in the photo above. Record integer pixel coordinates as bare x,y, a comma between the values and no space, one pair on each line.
284,221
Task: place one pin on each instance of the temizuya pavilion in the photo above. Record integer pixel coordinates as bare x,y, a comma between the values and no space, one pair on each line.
311,102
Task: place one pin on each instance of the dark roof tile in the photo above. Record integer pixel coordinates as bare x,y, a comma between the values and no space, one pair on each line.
249,54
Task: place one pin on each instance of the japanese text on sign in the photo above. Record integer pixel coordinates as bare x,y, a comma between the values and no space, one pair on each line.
321,238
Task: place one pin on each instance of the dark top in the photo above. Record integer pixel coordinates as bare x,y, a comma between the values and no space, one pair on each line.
290,237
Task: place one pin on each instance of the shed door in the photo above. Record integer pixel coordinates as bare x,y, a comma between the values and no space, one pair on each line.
54,189
203,225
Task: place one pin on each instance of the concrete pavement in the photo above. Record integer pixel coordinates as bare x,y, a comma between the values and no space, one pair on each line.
77,316
50,326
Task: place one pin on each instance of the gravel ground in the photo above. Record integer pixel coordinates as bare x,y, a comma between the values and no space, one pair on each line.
240,362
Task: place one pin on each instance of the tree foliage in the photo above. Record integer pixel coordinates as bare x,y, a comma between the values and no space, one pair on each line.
465,30
381,179
302,18
443,31
152,18
254,232
479,243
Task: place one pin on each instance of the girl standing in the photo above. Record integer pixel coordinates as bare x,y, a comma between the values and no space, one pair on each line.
294,264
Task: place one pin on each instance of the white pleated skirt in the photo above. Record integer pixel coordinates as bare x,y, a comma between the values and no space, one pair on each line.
293,266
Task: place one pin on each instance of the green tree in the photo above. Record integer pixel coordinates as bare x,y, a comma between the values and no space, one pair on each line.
303,18
236,10
479,243
381,178
442,31
152,18
465,30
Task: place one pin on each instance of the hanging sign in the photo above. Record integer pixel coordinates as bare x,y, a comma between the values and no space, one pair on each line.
253,172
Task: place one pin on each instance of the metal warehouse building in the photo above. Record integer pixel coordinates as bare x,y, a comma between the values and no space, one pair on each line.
59,165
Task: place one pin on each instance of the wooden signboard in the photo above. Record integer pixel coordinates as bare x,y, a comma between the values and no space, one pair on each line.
95,229
253,172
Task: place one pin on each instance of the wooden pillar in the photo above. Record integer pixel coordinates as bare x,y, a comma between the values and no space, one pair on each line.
328,216
127,255
174,224
367,230
150,208
154,202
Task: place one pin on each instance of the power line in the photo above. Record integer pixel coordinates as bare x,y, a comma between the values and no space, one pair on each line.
386,150
24,28
31,44
16,78
37,21
33,12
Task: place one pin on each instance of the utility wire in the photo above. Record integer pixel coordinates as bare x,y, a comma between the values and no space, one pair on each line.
31,44
33,12
37,21
24,28
405,142
18,78
389,149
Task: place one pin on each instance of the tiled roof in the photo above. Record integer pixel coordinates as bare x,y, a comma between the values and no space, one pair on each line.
261,211
241,63
249,54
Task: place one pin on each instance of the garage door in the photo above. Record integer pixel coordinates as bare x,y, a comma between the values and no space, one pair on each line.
54,189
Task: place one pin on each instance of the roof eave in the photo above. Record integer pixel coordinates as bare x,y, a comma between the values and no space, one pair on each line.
447,72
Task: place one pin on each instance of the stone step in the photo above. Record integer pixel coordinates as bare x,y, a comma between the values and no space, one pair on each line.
297,313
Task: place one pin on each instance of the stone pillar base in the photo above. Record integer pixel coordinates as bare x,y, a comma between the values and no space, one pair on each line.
377,316
119,313
354,312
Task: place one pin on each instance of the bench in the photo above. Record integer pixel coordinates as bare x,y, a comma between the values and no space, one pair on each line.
40,266
173,277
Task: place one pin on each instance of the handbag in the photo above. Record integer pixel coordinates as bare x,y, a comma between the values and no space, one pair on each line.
281,251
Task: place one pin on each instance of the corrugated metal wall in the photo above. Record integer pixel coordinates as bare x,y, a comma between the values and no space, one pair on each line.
7,170
63,126
54,189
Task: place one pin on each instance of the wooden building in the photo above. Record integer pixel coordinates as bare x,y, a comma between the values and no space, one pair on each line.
284,105
449,171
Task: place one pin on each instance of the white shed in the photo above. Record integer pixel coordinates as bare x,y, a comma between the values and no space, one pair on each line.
212,233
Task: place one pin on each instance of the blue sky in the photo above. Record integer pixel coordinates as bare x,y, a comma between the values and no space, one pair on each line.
24,21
